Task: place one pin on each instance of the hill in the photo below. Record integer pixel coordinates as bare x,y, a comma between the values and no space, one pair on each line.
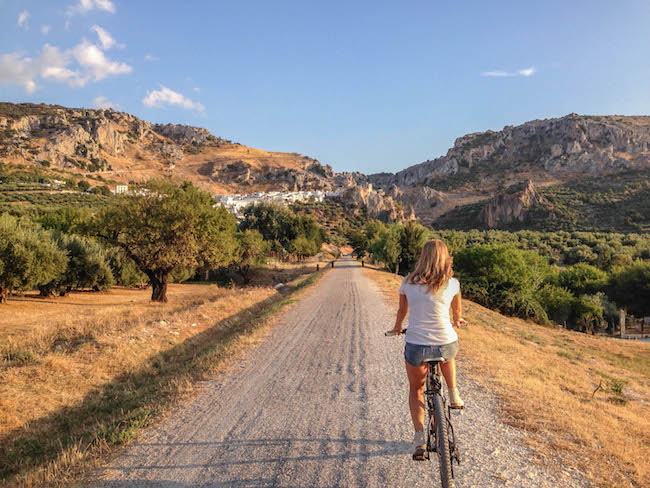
122,148
584,167
586,172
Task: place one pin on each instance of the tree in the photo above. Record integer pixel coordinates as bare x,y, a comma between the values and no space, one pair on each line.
87,267
278,224
125,271
412,238
503,277
83,185
630,288
387,248
558,303
301,247
28,256
582,278
359,242
166,227
251,250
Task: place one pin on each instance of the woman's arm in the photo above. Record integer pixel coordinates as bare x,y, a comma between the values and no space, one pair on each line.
456,311
401,313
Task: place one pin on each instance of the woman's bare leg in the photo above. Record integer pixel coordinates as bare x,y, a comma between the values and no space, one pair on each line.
449,372
417,376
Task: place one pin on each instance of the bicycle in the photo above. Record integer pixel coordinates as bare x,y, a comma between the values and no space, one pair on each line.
440,432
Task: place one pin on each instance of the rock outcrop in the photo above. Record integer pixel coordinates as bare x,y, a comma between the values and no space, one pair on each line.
510,206
572,144
377,203
183,133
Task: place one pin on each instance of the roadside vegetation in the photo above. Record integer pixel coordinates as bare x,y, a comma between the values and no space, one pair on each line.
88,356
582,400
576,279
160,234
76,386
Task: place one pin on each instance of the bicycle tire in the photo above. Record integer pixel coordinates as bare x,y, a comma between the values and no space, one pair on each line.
442,441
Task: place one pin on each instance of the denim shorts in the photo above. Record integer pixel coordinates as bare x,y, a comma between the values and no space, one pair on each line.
415,354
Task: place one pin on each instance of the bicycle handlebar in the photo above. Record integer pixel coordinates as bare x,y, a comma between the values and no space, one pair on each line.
388,334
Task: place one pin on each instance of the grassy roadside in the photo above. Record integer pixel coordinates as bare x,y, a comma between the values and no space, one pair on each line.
160,362
582,400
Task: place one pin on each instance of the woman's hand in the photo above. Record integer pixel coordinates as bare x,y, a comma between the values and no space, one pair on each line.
397,330
460,323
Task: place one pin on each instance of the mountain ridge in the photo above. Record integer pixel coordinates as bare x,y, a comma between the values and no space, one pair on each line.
119,147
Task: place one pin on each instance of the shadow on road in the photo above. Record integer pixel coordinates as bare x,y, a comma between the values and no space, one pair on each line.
243,453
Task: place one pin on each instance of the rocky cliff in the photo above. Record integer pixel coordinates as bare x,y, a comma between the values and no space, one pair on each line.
549,148
510,206
377,203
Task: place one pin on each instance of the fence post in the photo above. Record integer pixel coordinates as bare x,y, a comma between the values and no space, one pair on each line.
332,264
621,321
317,267
362,264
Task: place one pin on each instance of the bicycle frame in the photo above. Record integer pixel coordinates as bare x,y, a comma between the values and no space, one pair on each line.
433,388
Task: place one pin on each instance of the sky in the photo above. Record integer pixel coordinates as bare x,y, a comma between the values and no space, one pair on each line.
364,86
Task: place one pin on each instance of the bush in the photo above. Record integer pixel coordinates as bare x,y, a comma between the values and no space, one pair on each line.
504,278
557,302
582,278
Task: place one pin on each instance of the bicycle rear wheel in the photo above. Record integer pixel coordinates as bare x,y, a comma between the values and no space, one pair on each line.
442,442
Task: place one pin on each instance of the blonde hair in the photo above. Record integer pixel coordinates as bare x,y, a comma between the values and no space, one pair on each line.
433,267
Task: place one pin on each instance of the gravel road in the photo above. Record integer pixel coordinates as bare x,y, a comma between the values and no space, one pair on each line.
323,402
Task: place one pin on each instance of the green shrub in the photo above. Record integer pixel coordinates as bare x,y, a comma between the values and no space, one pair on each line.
504,278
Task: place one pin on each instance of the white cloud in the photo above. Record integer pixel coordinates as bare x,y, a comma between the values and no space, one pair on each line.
55,65
23,17
102,102
526,72
165,96
150,57
85,6
95,62
105,38
45,29
14,69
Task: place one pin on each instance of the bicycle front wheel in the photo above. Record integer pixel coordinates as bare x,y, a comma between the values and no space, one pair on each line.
442,442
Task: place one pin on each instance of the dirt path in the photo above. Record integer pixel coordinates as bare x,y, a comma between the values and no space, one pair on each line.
322,402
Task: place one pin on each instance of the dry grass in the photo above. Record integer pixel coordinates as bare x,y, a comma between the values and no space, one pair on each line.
82,374
546,378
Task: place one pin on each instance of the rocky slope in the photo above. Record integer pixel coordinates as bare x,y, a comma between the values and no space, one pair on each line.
120,147
550,148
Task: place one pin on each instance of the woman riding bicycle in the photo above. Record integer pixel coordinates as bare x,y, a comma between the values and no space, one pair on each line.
430,292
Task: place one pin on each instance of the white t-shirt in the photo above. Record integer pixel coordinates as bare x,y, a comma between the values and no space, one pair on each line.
429,320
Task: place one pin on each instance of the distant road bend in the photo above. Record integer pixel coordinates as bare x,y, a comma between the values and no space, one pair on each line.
322,402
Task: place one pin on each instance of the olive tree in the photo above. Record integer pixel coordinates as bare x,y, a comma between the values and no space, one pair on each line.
251,250
166,226
28,256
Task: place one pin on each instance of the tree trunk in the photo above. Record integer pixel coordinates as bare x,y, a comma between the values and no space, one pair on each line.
158,281
3,294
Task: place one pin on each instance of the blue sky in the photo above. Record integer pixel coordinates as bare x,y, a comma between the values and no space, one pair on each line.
361,85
